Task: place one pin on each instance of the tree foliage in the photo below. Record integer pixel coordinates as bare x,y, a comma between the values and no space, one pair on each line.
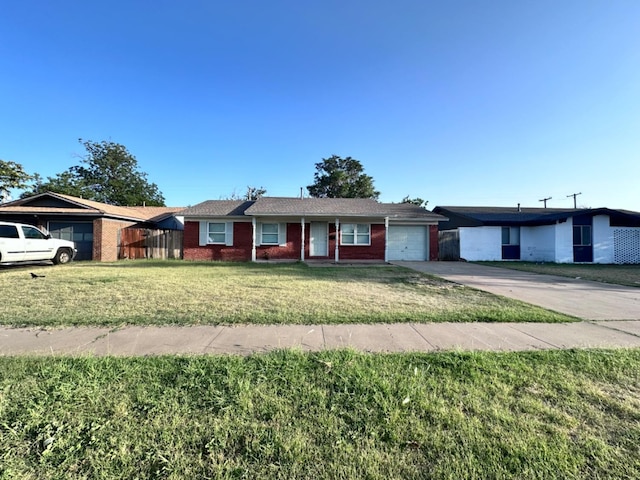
12,175
252,193
338,177
108,174
415,201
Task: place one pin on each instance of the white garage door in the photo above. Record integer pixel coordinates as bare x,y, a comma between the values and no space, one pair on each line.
408,243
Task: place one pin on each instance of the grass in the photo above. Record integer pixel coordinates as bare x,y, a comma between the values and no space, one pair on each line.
628,275
192,293
333,414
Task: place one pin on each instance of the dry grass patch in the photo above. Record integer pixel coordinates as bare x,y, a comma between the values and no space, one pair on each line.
188,293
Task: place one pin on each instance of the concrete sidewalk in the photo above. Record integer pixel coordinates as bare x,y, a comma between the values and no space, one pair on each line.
243,340
579,298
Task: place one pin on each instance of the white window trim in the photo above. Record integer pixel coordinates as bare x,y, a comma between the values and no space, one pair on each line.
355,235
282,235
511,230
204,233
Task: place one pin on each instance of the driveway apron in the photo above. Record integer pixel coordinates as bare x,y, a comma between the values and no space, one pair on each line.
571,296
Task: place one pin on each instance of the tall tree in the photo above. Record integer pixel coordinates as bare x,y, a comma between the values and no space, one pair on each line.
338,177
12,175
415,201
108,173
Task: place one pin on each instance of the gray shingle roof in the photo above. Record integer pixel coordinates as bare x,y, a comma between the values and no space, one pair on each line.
218,208
310,207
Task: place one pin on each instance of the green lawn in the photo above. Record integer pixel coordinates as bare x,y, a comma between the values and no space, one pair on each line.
193,293
618,274
333,414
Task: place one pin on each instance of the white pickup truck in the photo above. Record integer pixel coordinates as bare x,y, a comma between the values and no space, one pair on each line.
25,243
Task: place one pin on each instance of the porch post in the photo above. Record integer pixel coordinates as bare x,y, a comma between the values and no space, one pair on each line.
302,237
337,252
253,239
386,239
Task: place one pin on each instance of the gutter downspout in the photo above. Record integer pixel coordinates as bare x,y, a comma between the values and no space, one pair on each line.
253,239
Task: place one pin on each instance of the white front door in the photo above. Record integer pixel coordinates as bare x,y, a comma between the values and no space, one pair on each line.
319,242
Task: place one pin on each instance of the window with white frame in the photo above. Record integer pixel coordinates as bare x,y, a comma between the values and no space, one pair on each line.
355,234
217,233
269,235
510,235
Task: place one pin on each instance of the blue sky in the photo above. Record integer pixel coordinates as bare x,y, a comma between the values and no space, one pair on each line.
457,102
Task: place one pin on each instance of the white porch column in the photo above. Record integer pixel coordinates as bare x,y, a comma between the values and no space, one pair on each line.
253,239
337,252
302,237
386,239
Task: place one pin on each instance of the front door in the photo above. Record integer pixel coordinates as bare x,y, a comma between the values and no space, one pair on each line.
582,239
319,242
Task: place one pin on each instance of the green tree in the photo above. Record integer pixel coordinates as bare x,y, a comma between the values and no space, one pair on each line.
252,193
415,201
338,177
108,173
12,175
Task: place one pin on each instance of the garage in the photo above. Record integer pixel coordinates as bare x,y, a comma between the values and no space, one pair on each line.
81,233
407,242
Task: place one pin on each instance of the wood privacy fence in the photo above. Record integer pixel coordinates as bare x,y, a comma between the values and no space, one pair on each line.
449,245
149,243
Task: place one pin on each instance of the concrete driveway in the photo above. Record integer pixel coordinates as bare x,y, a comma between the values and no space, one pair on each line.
579,298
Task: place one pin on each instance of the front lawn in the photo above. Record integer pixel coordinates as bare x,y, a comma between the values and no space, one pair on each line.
193,293
617,274
332,414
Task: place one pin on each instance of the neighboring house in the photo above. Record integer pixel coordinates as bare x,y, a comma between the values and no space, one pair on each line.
93,226
599,235
332,229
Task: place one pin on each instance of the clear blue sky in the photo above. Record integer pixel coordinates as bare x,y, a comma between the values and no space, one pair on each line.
456,102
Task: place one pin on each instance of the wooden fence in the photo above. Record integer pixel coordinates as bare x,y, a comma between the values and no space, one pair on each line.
149,243
449,245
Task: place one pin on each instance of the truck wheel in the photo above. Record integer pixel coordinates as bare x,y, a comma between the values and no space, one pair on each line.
62,256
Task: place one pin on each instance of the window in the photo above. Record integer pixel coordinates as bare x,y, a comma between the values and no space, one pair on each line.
355,234
269,234
581,235
217,233
8,231
510,235
32,233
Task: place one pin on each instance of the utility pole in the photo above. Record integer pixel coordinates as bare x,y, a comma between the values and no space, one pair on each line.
574,195
545,201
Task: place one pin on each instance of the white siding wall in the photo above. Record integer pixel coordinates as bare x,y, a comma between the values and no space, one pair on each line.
480,243
538,244
602,240
564,241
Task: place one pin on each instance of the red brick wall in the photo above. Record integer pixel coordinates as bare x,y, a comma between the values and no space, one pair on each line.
290,251
433,242
105,238
375,251
240,251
